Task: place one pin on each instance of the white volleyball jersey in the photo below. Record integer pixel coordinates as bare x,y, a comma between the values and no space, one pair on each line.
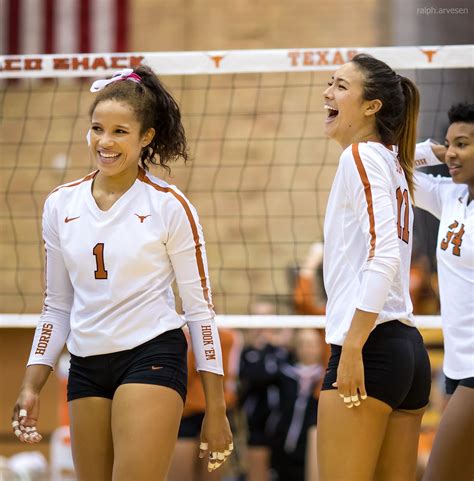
367,240
455,255
109,273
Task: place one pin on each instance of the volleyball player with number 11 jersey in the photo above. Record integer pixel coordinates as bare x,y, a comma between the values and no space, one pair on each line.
377,382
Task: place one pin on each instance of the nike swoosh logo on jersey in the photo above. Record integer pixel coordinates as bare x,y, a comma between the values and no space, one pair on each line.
156,368
69,219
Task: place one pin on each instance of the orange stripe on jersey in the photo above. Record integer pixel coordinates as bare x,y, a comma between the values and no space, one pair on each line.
73,184
199,260
368,197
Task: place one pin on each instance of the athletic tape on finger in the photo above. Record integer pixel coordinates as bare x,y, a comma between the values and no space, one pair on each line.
204,446
354,398
23,413
15,424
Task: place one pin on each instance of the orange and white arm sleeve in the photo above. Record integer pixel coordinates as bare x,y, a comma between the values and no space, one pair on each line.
187,253
424,155
369,185
206,346
53,327
428,188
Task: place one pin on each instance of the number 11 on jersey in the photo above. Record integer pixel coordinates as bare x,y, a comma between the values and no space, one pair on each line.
403,201
98,251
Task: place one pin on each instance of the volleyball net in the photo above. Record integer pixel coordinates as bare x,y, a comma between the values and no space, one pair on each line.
260,170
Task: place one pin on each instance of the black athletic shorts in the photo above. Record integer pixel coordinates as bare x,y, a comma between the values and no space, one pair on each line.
396,366
190,426
452,384
161,361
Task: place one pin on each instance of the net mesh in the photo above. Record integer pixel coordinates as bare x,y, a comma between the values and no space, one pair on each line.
259,175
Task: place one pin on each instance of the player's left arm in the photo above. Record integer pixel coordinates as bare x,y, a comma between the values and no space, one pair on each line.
370,194
186,249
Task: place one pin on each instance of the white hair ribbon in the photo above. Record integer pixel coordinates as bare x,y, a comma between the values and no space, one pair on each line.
125,74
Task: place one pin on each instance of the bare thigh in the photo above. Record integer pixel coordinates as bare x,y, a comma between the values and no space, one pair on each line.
183,462
145,422
349,440
91,438
398,455
311,458
452,454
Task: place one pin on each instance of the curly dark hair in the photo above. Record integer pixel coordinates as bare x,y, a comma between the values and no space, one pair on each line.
155,108
462,112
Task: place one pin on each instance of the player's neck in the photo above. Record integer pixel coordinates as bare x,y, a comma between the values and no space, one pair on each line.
363,135
114,184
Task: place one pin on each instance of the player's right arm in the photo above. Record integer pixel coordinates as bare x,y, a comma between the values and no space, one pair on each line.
428,187
51,332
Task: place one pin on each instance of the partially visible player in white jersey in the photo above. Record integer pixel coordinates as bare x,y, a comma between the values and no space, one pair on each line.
378,379
115,241
451,201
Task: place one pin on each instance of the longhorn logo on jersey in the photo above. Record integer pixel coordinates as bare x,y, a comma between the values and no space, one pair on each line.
142,217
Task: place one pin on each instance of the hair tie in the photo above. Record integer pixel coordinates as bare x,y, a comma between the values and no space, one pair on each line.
125,74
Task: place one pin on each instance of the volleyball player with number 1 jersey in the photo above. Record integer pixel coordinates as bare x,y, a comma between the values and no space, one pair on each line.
115,241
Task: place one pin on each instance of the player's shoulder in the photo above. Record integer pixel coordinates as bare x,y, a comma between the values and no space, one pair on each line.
69,188
368,155
164,191
451,191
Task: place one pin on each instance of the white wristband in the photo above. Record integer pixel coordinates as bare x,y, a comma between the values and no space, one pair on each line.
206,346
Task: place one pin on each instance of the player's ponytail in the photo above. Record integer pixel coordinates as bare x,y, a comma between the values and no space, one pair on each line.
396,119
407,134
163,114
154,108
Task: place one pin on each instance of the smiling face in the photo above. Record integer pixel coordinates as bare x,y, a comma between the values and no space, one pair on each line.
350,118
460,153
115,140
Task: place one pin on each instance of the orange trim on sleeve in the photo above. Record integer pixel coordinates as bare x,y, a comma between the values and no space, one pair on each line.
85,179
368,197
199,260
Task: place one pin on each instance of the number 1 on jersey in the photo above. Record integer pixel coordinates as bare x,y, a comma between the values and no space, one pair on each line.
402,199
98,251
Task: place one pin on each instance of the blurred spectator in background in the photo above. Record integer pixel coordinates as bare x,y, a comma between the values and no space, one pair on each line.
423,285
259,400
297,376
309,294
